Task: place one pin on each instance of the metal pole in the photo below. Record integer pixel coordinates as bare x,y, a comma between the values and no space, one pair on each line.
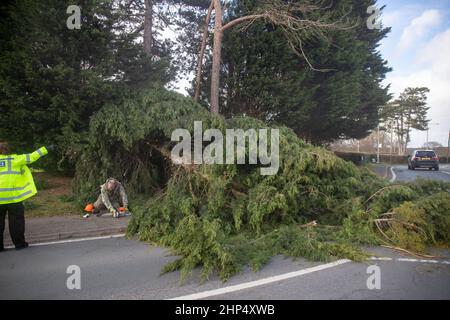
448,147
392,146
428,129
378,144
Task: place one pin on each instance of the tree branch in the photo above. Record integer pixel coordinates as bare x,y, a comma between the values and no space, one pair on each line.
234,22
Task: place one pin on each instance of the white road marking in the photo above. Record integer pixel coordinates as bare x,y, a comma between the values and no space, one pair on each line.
121,235
393,175
260,282
445,172
409,260
423,261
380,259
252,284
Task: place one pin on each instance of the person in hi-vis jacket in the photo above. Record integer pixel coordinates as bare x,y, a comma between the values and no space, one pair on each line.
16,185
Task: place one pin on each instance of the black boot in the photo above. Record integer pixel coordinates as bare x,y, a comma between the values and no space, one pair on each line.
22,246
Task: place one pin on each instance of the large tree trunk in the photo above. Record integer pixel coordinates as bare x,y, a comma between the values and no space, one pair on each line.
217,53
202,53
148,27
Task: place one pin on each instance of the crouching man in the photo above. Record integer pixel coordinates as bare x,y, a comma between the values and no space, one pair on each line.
112,197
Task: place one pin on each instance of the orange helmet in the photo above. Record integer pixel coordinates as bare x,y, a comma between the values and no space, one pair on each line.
89,208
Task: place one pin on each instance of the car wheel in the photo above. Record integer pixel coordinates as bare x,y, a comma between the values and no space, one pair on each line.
437,168
430,169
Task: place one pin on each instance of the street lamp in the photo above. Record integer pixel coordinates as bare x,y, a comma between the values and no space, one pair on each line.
428,129
378,143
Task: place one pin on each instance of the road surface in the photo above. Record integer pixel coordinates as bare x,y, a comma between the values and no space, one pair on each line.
116,268
402,174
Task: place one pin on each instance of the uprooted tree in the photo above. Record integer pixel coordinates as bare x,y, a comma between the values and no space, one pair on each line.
223,217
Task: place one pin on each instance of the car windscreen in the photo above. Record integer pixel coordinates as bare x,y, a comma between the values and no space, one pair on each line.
425,154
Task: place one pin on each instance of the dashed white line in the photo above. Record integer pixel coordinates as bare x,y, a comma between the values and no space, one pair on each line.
409,260
380,259
260,282
445,172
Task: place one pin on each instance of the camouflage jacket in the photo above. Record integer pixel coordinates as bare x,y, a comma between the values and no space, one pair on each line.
115,196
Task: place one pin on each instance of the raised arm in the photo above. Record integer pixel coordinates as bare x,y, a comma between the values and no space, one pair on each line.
29,158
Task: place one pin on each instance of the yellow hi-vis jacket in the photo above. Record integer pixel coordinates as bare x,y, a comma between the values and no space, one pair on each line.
16,181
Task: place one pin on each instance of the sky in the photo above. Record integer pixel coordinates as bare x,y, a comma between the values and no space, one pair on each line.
418,50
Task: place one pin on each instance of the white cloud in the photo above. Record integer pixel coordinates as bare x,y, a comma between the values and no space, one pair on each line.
418,28
432,71
391,18
437,54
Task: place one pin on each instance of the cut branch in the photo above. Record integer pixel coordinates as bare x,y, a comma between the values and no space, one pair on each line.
415,254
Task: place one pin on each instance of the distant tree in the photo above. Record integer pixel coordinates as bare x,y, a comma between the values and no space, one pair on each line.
432,145
408,112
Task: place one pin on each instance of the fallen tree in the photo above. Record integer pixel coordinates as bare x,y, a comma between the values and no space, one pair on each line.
223,217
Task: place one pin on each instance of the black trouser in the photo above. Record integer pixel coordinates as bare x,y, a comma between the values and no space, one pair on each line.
16,219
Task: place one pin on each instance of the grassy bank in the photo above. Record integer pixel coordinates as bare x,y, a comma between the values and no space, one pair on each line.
54,197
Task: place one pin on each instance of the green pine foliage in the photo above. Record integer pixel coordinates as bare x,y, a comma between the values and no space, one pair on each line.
436,212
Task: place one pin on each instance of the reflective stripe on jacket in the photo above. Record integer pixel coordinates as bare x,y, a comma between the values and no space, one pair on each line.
16,181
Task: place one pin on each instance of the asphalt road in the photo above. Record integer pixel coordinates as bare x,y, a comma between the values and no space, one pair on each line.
404,175
117,268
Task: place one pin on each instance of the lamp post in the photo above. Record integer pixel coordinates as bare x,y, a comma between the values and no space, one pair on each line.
428,129
448,147
378,143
